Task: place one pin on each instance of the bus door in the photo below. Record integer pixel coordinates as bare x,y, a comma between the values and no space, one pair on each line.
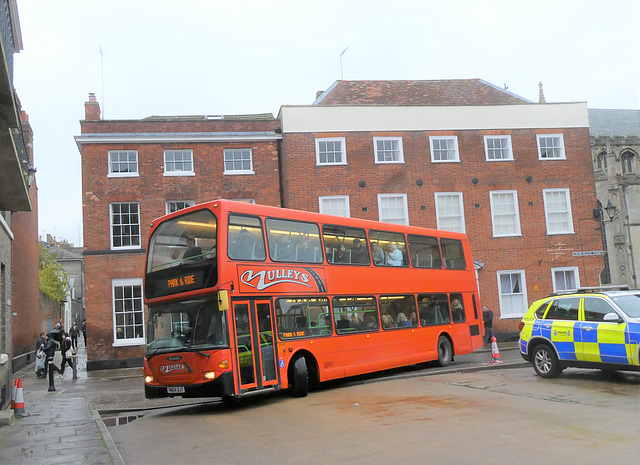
255,350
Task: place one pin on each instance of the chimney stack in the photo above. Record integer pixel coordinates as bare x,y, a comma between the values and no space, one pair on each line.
92,109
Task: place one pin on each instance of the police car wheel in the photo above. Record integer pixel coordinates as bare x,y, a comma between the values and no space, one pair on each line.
545,362
300,377
445,352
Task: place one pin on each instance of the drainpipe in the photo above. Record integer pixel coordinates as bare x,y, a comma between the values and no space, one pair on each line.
626,211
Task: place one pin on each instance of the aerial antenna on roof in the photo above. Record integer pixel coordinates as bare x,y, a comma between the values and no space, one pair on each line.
342,53
102,79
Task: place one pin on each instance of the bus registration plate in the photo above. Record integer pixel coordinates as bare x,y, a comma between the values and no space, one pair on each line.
175,390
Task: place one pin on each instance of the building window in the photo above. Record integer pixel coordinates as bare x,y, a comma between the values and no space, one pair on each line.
175,205
178,163
626,159
388,149
123,163
444,148
449,211
337,205
498,148
505,216
512,291
550,147
392,208
125,225
565,279
331,151
557,211
601,161
238,161
128,312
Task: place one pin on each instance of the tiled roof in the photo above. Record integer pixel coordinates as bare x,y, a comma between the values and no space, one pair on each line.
614,122
258,116
441,92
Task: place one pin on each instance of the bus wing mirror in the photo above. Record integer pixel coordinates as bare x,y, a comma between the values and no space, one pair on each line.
223,300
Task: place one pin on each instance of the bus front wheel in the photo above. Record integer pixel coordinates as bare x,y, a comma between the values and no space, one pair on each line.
300,377
445,351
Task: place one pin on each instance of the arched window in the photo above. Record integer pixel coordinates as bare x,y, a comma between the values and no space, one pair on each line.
601,160
626,159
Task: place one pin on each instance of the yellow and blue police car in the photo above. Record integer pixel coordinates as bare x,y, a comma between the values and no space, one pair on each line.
590,328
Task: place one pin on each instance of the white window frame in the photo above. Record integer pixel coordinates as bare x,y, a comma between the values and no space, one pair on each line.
135,341
343,151
561,155
503,296
242,171
515,213
565,269
178,172
378,154
322,208
169,203
440,216
118,174
508,148
456,154
382,209
112,225
547,212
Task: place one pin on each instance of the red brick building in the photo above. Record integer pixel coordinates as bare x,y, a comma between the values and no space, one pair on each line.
460,155
136,170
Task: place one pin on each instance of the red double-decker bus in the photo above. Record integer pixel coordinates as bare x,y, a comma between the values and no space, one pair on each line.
246,298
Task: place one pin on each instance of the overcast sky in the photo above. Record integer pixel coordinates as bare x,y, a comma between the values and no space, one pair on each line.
167,57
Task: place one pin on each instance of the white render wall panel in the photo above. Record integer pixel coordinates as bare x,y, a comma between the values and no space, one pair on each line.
298,119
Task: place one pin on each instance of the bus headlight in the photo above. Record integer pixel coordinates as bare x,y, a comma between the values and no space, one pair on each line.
209,375
148,379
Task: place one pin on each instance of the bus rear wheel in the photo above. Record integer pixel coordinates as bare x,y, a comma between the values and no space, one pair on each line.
445,351
300,377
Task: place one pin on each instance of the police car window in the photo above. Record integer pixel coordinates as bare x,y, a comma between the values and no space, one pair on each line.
541,310
595,309
630,304
564,309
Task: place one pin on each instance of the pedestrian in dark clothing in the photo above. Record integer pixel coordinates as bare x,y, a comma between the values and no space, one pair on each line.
50,348
84,332
487,319
74,332
41,362
65,348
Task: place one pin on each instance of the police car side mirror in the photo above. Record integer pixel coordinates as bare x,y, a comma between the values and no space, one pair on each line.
614,317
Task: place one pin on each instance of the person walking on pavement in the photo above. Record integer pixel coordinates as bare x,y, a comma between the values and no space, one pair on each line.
84,332
487,319
74,332
67,352
50,348
41,359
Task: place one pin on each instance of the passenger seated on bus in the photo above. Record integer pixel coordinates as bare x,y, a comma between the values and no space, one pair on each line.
359,253
192,251
377,254
243,247
457,311
306,253
370,322
355,322
387,321
401,318
405,255
284,249
394,256
301,322
343,255
413,319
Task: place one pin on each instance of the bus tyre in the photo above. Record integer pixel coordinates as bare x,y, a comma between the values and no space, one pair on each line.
545,362
300,377
445,351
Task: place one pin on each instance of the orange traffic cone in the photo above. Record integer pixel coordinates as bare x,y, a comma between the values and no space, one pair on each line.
495,353
18,405
13,393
